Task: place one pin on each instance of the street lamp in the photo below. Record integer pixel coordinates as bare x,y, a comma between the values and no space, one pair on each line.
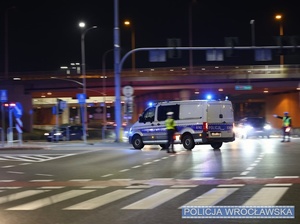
279,18
191,34
252,23
82,25
128,23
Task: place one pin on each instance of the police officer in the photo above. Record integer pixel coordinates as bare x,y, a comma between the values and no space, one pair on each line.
286,126
170,126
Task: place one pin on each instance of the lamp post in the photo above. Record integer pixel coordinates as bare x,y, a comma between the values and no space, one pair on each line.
128,23
104,90
279,18
82,25
6,41
191,35
252,23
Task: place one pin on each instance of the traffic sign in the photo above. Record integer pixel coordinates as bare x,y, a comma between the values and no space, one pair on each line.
81,98
243,87
19,125
18,110
3,95
127,91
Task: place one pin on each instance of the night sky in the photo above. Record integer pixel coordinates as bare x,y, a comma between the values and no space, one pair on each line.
44,35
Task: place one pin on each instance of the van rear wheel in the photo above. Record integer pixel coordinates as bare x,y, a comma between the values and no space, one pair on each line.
216,145
188,142
137,142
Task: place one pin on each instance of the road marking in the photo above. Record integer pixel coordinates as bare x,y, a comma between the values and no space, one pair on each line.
184,186
20,195
52,187
212,197
244,173
107,175
9,166
156,199
94,187
266,196
134,167
41,180
50,200
102,200
243,177
81,180
278,185
286,177
15,172
10,188
45,175
231,185
32,157
6,181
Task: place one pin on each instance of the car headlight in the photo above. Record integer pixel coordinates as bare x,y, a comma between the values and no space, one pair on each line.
248,127
46,134
58,133
267,127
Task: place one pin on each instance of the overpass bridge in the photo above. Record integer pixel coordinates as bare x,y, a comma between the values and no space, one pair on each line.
268,84
271,79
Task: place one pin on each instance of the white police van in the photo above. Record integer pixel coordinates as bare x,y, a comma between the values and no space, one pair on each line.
198,122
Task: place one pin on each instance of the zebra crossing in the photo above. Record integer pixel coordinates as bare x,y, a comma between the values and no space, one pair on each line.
32,157
146,197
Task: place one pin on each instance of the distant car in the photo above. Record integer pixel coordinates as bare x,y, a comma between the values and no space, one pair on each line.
253,126
65,133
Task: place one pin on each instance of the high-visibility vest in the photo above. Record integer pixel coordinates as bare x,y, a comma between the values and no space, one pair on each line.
286,121
170,124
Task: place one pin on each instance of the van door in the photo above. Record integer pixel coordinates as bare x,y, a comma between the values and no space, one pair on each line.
214,112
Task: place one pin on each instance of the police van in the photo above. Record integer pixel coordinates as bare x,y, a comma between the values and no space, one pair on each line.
197,121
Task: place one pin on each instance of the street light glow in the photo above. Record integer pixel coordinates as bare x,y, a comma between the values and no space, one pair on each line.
82,24
127,23
278,17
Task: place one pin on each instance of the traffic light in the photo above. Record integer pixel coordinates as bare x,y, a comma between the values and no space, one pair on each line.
231,42
174,42
293,41
60,106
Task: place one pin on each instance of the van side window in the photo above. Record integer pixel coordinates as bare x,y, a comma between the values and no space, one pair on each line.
149,114
163,110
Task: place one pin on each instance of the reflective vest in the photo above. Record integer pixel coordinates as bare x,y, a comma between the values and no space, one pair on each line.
286,121
170,124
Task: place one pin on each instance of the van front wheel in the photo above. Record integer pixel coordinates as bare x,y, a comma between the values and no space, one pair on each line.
188,142
216,145
137,142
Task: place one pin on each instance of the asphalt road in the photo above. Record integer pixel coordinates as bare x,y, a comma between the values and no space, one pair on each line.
103,183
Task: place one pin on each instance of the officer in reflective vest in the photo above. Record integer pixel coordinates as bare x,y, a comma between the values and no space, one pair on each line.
170,126
286,126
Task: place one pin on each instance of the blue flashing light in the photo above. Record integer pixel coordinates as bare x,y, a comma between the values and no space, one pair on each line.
208,97
150,104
